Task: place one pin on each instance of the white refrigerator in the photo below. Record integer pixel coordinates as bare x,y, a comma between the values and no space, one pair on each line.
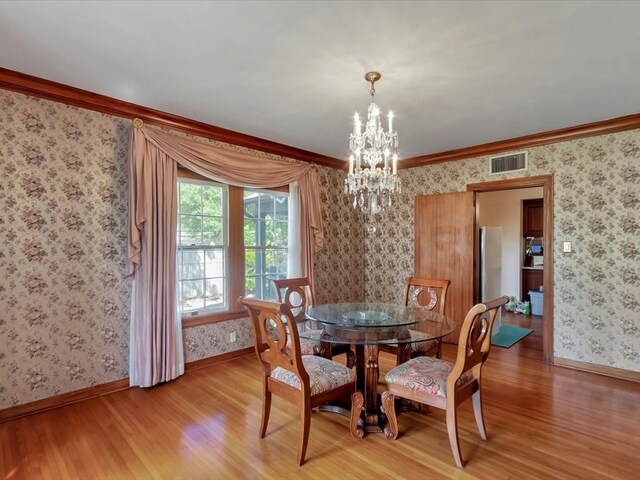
491,268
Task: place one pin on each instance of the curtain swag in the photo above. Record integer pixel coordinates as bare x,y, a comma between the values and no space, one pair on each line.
225,166
156,353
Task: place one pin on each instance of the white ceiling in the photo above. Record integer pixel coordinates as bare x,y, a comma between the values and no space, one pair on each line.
455,74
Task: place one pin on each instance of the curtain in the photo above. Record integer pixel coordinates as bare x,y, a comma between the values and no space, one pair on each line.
294,265
155,349
152,231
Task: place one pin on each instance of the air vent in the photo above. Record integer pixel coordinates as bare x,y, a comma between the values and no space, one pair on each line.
509,163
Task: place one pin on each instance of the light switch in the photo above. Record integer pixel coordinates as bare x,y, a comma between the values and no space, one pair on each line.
566,247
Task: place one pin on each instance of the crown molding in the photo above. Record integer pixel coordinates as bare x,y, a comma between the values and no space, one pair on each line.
58,92
619,124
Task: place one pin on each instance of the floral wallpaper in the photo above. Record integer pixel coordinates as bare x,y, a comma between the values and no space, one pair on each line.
596,207
340,265
65,301
64,316
63,207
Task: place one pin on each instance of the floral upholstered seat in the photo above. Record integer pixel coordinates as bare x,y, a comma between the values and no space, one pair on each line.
324,374
445,385
306,380
427,375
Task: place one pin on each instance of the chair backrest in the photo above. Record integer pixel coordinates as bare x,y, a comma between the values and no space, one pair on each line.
296,293
475,339
426,293
272,325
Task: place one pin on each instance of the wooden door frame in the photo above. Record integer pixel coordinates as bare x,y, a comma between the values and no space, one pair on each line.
546,182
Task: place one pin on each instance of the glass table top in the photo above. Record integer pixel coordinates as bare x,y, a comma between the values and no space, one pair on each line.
373,323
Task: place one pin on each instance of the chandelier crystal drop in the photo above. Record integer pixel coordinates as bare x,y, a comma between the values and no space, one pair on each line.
373,179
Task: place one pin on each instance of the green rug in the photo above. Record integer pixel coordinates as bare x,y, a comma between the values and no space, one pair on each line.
509,335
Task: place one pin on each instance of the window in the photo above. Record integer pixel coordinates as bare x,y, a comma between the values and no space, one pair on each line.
231,242
266,230
202,247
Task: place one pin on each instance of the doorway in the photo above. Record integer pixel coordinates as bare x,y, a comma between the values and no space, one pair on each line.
509,236
545,323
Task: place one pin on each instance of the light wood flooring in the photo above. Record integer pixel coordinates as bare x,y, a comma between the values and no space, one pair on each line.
543,423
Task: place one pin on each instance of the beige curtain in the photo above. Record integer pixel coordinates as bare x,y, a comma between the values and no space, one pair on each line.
151,194
155,348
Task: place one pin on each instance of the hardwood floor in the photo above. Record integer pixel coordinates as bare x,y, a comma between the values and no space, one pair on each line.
543,422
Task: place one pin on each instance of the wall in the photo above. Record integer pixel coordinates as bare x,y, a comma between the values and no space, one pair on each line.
504,209
64,298
596,206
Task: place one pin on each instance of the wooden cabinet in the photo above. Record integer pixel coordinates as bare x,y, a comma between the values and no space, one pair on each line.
533,218
531,280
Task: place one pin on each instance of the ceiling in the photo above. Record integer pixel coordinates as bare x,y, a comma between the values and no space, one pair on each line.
455,74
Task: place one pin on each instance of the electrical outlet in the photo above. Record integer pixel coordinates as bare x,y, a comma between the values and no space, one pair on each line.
566,247
233,337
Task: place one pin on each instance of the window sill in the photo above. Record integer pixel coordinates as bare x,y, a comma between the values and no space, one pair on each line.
212,318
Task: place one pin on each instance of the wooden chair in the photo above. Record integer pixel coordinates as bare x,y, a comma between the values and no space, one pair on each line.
444,385
305,380
427,294
297,294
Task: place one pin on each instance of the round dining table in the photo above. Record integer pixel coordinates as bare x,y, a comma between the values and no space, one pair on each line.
366,326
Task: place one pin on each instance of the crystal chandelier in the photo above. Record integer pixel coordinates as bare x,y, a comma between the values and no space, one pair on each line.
373,165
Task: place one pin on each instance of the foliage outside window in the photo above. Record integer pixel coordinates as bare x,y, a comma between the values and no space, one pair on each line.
202,247
220,257
266,229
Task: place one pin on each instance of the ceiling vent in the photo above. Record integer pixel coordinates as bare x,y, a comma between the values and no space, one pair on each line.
509,163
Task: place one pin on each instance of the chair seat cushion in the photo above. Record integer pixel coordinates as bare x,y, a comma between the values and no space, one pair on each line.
427,375
324,374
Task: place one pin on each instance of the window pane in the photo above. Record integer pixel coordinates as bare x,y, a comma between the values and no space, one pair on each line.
250,262
192,264
190,230
281,235
281,263
212,201
266,205
201,224
270,291
214,263
251,229
215,290
212,233
282,208
192,293
250,286
250,204
190,198
266,238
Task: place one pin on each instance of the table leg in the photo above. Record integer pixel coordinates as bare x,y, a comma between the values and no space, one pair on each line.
368,372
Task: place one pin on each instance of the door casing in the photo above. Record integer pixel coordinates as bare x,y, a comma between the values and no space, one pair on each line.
546,182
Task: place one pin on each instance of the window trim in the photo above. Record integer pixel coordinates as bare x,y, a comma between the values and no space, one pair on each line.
235,250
